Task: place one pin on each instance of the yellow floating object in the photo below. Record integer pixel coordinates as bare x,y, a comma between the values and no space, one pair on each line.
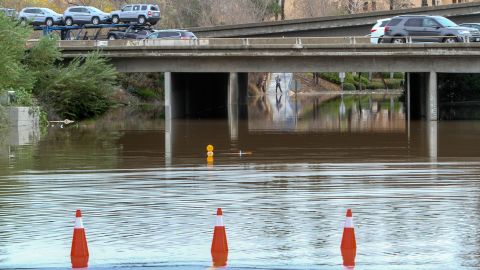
210,154
209,148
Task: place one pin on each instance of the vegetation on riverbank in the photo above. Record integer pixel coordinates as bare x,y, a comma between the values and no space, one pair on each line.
76,90
361,81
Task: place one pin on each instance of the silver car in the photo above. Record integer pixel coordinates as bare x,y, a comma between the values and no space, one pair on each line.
9,12
141,13
40,16
85,15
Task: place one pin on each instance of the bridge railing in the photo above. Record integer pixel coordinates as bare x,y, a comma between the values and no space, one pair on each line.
216,42
258,43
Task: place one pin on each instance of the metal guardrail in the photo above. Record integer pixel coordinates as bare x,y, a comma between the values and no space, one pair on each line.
258,43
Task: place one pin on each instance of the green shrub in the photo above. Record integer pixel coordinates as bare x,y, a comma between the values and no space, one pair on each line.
80,90
396,75
147,86
22,97
331,77
146,93
399,75
360,80
13,37
349,87
394,83
374,85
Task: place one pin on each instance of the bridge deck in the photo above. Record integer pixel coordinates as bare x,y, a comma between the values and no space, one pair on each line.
299,55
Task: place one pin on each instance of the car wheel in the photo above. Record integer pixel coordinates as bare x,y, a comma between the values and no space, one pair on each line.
95,20
380,40
115,19
450,40
142,20
398,40
49,22
68,22
112,37
23,21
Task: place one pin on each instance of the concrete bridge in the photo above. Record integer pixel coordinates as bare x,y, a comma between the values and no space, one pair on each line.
347,25
280,55
213,73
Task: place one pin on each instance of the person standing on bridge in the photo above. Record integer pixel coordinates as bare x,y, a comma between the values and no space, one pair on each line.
277,84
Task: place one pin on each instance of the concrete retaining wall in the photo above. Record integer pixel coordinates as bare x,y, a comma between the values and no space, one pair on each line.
24,116
24,125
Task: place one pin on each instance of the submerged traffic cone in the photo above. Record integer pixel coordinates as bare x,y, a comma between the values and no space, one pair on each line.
349,245
219,242
79,253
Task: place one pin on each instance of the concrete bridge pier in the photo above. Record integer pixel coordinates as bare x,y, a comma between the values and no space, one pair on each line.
422,95
432,139
237,101
432,102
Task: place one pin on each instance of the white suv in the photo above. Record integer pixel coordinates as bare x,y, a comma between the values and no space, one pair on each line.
85,15
378,31
40,16
141,13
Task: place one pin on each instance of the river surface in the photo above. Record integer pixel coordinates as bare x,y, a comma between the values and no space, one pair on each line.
149,197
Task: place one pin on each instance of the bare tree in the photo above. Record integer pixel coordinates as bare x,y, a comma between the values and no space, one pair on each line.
399,4
313,8
353,6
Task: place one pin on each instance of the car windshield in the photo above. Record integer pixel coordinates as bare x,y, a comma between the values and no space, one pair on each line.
445,22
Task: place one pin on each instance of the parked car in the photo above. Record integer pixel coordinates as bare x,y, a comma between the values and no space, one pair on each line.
427,29
40,16
9,12
132,32
141,13
471,25
378,30
172,34
85,15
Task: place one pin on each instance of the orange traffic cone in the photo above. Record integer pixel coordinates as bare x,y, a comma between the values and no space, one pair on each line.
219,242
349,245
79,253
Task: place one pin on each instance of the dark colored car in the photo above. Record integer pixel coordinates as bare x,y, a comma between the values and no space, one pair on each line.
172,34
422,28
132,32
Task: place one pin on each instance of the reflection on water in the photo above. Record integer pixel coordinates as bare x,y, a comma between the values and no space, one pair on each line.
327,112
283,205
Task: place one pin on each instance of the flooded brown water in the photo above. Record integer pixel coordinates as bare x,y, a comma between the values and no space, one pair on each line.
149,198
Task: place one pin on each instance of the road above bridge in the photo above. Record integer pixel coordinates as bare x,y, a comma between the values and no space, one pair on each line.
280,55
347,25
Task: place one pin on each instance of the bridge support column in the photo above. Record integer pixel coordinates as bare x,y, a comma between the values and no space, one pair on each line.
432,101
168,118
432,140
237,101
233,89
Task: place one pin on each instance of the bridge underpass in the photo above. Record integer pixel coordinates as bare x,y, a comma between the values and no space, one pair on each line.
206,78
